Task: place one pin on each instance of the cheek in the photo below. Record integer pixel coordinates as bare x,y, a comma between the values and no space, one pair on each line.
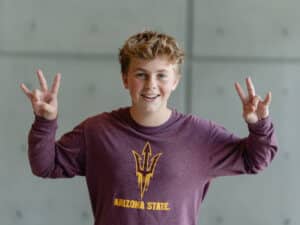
170,85
166,90
135,86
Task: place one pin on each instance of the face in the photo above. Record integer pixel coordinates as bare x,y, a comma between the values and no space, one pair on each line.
150,84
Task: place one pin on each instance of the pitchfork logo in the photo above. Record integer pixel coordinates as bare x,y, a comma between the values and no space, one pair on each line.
145,167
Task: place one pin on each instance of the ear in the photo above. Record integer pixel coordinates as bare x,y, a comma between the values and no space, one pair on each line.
125,80
176,82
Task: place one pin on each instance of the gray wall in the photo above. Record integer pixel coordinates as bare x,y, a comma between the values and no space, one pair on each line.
225,42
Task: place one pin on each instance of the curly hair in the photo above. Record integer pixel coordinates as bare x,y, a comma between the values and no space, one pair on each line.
148,45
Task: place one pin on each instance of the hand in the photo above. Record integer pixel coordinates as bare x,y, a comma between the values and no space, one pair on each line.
44,101
254,108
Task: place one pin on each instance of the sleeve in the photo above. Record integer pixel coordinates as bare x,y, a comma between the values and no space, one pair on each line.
231,155
56,159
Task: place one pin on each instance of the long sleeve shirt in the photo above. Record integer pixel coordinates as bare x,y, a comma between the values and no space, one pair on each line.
139,175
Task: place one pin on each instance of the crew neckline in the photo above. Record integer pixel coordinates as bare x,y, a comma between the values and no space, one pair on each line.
150,129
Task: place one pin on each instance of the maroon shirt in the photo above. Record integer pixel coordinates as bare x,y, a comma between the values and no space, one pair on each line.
140,175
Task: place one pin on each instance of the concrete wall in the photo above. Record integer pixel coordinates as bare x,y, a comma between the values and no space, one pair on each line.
225,42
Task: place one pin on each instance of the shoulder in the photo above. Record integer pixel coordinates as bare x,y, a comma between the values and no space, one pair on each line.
106,118
192,119
194,128
193,122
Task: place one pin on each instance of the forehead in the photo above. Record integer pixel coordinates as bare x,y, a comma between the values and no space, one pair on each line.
156,64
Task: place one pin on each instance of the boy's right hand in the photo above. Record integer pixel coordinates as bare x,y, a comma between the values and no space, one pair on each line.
44,101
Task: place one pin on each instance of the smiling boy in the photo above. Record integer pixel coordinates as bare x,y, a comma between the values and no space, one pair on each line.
150,84
148,164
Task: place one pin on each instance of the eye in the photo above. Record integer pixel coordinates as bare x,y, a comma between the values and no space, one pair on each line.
162,76
140,75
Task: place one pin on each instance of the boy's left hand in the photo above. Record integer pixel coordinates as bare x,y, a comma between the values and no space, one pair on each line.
254,108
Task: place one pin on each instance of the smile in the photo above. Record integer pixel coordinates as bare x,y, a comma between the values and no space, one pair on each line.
150,97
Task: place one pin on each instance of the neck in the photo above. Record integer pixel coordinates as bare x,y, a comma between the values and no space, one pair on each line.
150,119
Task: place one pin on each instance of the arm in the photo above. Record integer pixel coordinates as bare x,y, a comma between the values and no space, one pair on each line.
47,157
54,159
231,155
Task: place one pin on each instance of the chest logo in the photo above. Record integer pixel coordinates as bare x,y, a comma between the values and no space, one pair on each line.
145,166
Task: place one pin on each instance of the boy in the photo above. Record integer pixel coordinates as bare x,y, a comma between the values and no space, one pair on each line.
148,164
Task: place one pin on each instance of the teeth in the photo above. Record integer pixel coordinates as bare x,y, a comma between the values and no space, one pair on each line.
150,97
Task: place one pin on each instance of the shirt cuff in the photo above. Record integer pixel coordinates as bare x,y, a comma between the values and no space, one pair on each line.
260,125
41,123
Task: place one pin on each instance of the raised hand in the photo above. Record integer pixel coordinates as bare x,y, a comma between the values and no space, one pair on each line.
44,101
254,108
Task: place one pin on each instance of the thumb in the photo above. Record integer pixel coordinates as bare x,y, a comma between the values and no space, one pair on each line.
45,107
46,110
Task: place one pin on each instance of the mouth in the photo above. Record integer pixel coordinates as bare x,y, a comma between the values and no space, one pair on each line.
150,97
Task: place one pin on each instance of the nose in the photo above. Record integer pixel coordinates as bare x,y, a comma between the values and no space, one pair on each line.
151,83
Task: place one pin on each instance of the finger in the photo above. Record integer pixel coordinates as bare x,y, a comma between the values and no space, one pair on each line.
42,80
250,87
268,99
255,100
46,107
36,95
249,108
26,90
240,92
260,99
56,84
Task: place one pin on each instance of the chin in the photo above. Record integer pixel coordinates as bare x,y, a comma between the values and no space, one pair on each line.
149,109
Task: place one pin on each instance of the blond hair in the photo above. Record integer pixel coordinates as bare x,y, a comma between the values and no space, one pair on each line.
148,45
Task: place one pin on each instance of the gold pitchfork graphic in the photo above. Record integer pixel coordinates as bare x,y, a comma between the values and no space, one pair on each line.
145,167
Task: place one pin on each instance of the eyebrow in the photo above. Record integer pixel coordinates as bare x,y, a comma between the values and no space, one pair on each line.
161,70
